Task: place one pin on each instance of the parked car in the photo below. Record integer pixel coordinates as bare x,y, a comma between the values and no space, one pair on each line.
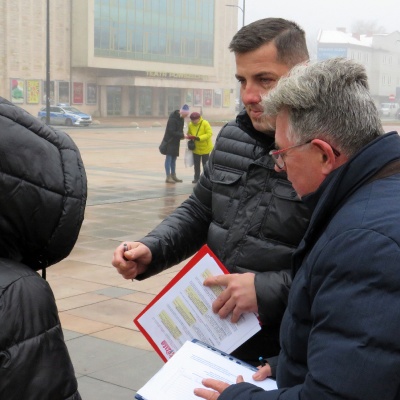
389,109
65,115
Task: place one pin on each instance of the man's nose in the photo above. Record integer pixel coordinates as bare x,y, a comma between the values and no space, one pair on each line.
250,94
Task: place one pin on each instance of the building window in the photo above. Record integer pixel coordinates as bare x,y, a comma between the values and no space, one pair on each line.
174,31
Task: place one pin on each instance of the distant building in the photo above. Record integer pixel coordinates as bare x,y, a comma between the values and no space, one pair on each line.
379,53
120,58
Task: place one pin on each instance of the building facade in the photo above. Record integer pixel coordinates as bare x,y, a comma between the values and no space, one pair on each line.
379,53
134,58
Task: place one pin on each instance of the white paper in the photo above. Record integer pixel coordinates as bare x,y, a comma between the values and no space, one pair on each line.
178,378
185,313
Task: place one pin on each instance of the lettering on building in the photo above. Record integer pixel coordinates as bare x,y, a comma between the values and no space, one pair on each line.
173,75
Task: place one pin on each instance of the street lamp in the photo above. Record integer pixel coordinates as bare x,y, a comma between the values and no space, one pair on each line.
243,14
240,8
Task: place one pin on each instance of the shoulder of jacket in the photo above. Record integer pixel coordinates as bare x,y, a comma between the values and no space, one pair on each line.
11,271
232,131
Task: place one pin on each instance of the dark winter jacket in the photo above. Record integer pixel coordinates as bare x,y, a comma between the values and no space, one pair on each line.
174,133
340,334
42,201
246,212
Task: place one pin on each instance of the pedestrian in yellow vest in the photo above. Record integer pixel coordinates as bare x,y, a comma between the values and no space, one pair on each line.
200,131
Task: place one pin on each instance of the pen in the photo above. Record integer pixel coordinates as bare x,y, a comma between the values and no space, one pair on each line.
125,249
263,361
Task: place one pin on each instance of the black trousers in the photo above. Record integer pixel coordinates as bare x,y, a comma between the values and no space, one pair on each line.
196,161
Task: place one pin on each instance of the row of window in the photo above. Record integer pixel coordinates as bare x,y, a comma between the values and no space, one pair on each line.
179,31
387,80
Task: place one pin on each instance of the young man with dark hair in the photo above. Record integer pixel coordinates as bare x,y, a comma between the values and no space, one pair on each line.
246,212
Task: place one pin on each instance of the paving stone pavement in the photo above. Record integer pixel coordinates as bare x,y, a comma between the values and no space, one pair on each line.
127,197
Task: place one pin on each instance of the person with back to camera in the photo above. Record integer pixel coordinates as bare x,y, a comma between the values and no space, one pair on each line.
340,332
199,130
173,136
247,213
42,201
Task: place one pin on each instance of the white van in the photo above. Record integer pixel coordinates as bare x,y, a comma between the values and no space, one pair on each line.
389,109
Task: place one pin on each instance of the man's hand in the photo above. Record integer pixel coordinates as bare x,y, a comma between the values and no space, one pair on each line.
262,373
132,262
238,297
217,386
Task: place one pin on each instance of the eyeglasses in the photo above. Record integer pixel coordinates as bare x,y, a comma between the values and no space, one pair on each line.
277,155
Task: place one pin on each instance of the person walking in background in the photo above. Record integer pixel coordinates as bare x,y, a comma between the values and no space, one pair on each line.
172,138
200,132
43,191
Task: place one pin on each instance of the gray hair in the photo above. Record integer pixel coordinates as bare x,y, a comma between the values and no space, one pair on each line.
328,100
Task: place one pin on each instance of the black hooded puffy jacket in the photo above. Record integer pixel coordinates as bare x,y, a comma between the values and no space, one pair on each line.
43,191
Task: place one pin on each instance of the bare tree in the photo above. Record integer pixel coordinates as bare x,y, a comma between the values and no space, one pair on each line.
367,27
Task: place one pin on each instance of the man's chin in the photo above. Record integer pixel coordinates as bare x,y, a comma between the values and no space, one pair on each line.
263,125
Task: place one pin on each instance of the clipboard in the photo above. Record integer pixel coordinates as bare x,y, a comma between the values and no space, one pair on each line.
183,311
195,360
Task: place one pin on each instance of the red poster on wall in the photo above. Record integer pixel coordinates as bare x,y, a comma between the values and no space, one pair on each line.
207,97
77,93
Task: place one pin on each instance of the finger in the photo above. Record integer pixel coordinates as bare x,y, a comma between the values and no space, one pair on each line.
118,261
236,314
219,280
137,252
262,373
220,302
227,308
214,384
239,379
206,394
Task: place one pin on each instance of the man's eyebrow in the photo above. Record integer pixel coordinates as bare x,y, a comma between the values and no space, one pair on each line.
260,75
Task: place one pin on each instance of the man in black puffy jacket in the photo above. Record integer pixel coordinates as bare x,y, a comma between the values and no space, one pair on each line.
247,213
42,201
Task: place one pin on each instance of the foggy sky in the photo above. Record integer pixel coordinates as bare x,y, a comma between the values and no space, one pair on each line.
313,15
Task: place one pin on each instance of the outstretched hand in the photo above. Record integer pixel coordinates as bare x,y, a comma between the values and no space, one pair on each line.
217,388
132,262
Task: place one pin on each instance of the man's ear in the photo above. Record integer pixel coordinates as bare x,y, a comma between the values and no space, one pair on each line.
328,157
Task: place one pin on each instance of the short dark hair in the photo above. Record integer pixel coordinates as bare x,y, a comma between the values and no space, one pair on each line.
288,37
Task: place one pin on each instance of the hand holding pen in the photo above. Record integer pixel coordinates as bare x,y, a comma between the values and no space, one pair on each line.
131,259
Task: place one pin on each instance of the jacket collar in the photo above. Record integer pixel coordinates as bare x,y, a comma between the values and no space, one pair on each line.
244,122
342,183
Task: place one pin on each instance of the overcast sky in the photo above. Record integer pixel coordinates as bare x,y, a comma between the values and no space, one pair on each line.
313,15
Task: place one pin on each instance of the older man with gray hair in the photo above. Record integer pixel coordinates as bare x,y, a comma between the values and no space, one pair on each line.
340,333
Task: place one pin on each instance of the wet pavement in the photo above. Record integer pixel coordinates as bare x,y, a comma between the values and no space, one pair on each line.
127,197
